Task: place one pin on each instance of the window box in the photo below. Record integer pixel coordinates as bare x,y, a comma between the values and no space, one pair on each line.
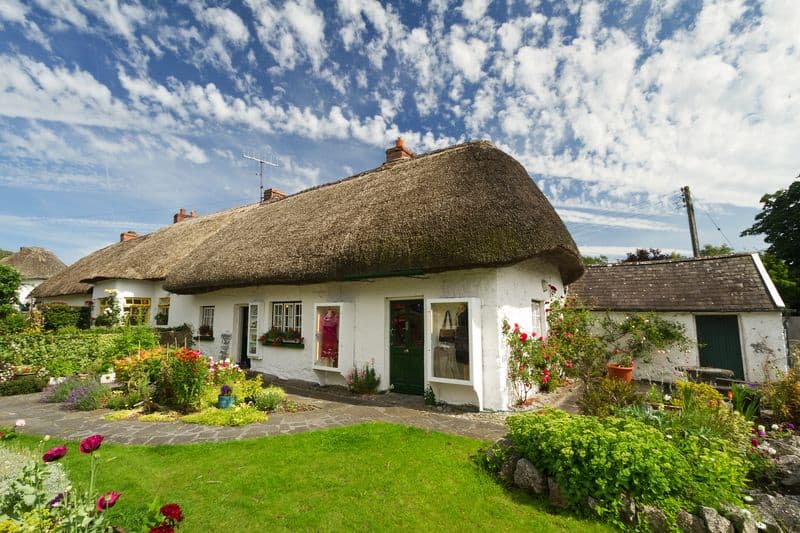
283,344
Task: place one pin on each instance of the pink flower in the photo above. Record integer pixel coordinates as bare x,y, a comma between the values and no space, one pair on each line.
568,364
54,454
107,500
755,442
91,443
516,328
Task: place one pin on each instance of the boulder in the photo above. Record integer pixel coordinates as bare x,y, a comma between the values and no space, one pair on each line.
656,519
528,477
689,523
777,511
508,468
743,520
556,497
627,511
715,522
787,471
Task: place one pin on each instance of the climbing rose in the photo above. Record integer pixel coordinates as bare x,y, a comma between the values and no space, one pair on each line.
54,454
172,511
523,337
91,443
107,500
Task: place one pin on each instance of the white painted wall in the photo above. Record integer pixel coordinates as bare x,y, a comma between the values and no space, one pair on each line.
25,288
502,292
75,300
762,341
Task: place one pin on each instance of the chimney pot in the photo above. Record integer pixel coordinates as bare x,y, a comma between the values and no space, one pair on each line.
128,235
273,195
181,215
398,151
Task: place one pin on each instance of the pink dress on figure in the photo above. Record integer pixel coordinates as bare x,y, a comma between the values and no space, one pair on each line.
329,325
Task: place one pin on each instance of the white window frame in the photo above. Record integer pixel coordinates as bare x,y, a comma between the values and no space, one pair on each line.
283,312
475,380
207,318
254,314
538,318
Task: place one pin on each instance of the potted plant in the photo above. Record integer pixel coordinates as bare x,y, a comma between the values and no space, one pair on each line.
621,365
226,399
205,333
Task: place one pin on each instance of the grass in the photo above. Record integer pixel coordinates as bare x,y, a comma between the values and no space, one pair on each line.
373,476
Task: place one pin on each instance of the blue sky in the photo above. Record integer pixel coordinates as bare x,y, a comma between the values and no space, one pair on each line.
114,114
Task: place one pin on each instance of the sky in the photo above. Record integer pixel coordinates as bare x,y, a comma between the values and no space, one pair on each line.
116,113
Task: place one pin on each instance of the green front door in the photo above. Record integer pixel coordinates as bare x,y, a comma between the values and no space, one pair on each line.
406,346
720,347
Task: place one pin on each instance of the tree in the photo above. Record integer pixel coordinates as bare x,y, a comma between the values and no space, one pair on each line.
649,254
779,222
594,260
784,281
709,250
10,281
5,253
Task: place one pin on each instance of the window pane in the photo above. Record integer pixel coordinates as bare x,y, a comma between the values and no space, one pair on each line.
451,352
327,348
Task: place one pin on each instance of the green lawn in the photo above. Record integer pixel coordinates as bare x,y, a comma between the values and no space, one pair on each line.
373,476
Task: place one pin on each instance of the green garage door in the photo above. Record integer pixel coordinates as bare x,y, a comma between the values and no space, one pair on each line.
720,347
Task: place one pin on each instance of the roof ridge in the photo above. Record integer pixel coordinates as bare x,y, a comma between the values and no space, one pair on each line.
665,261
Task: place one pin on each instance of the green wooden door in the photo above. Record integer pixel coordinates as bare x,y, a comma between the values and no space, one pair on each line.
720,347
406,346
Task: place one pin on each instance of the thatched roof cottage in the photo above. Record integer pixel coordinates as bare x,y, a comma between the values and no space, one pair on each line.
35,265
413,264
727,304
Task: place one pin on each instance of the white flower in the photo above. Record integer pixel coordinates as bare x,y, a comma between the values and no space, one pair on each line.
760,427
669,436
667,398
761,526
46,438
771,451
775,427
20,423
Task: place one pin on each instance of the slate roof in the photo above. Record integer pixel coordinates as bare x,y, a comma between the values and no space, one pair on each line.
732,283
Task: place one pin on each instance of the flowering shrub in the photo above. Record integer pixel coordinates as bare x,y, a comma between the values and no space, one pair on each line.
783,395
143,364
606,457
269,399
88,396
364,380
181,382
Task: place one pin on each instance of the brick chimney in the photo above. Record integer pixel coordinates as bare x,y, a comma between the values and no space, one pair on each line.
273,195
398,151
128,235
181,215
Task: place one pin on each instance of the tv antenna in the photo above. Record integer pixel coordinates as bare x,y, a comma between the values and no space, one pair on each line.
261,163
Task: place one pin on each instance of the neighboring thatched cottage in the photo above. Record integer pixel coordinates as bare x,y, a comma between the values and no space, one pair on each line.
35,265
728,304
412,265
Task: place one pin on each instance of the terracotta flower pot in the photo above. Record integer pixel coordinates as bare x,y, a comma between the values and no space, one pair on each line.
620,372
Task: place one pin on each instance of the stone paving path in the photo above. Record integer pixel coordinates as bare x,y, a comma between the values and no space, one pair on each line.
54,420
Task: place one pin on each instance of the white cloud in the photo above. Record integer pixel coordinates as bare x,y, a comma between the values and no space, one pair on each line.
467,54
585,217
227,24
293,31
473,10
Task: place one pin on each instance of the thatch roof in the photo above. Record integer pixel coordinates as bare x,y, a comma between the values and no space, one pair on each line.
148,257
467,206
34,263
732,283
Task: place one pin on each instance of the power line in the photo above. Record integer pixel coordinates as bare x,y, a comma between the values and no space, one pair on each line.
714,222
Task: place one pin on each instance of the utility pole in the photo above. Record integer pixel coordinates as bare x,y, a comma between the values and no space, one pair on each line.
687,201
261,163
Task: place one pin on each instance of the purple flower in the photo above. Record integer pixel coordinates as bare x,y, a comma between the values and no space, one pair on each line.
54,454
225,390
107,500
91,443
55,502
790,426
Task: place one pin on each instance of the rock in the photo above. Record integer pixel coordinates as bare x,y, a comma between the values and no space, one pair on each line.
787,470
528,477
656,519
743,520
778,512
627,511
509,467
591,503
689,523
557,498
715,522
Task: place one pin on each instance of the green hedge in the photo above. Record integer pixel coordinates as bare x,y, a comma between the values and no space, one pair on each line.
65,354
603,458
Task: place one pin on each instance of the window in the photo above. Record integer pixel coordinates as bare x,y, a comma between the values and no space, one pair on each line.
206,328
252,330
326,353
137,310
288,316
537,316
451,343
162,317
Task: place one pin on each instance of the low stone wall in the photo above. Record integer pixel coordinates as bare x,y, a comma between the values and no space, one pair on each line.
777,512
